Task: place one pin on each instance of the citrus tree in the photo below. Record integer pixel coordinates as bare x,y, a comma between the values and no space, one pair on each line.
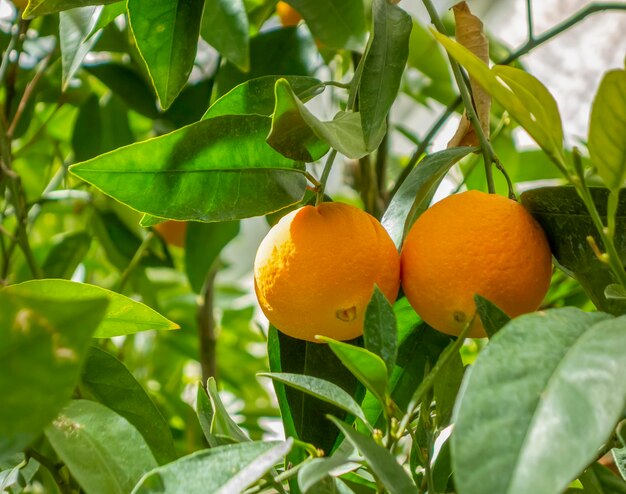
375,342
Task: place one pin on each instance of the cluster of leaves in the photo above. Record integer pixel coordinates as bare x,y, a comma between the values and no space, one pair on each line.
119,115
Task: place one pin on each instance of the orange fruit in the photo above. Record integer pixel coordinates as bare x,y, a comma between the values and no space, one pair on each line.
474,243
173,232
20,4
287,14
315,271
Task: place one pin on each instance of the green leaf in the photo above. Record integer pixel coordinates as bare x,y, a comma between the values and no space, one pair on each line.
203,244
380,330
107,16
166,34
335,24
123,316
564,218
204,471
540,425
253,472
416,192
426,55
126,81
366,366
304,416
320,388
316,470
226,155
225,27
343,133
288,52
74,28
256,96
291,135
222,425
446,388
66,254
380,460
102,450
615,291
204,410
107,380
607,128
43,7
492,317
522,95
44,343
383,66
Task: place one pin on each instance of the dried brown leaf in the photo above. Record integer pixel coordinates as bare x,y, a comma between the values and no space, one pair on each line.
469,33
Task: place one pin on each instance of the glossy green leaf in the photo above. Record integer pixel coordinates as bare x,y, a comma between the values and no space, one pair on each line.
66,254
446,388
380,331
320,388
567,224
287,52
203,244
540,425
166,34
204,471
204,410
416,192
291,135
109,13
366,366
256,96
123,315
107,380
74,28
43,7
607,128
615,291
44,343
318,469
383,66
222,425
380,460
225,27
492,317
253,472
426,55
524,97
334,24
102,450
304,416
539,102
126,81
344,132
226,155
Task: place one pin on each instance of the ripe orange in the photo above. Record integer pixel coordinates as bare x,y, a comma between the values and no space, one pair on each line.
315,270
173,232
287,14
474,243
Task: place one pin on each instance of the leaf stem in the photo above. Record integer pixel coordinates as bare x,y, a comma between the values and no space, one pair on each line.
429,380
134,262
529,20
488,153
206,328
52,468
324,178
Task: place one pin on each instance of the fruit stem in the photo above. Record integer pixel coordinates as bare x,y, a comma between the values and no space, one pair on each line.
324,178
489,155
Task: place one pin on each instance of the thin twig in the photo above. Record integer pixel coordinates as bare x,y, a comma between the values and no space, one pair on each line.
206,329
52,468
134,262
466,96
28,92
